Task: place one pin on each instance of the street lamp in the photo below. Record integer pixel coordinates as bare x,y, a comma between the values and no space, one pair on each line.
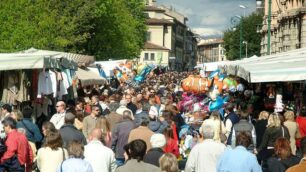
246,48
234,21
243,7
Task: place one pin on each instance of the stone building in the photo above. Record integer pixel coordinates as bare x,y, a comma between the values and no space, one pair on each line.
170,43
211,50
288,26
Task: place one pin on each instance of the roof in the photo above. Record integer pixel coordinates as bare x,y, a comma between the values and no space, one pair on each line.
153,8
155,21
150,45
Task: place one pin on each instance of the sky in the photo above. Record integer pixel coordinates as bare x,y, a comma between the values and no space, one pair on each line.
210,18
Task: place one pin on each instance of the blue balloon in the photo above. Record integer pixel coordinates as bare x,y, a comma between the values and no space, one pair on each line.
216,105
214,73
139,78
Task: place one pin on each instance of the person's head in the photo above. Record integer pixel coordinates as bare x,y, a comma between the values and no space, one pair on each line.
47,127
158,140
113,106
289,115
53,140
95,110
144,121
139,97
168,163
244,115
128,98
136,149
60,107
96,134
263,115
243,139
229,107
27,112
123,102
303,146
282,148
127,114
152,92
274,120
70,104
95,99
69,118
9,124
103,124
79,105
6,108
76,149
146,107
17,115
215,115
208,131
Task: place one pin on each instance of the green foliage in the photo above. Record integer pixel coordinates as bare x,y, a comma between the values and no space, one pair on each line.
105,28
249,34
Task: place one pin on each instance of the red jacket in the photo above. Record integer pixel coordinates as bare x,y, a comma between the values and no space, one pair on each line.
172,147
17,143
302,127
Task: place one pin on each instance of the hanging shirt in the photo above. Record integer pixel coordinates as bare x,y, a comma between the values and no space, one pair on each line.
64,85
46,83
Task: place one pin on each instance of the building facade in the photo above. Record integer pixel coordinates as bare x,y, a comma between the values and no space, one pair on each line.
170,43
211,50
288,26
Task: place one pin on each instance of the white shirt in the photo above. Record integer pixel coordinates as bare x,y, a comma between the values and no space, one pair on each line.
58,120
204,156
47,83
101,158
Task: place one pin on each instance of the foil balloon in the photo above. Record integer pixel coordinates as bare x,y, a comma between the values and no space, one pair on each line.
214,73
240,87
140,68
215,105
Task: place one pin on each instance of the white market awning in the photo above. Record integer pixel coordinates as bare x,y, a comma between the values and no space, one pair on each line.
282,67
88,77
12,61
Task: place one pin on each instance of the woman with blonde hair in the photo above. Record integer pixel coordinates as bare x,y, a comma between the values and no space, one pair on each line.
274,131
104,125
168,163
215,121
260,126
293,129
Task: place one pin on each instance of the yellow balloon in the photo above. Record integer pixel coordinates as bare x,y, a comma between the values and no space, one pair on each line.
140,68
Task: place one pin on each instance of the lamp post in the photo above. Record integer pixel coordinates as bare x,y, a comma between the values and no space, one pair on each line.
234,21
243,7
246,48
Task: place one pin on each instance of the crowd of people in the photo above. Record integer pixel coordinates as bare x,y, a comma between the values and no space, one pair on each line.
122,128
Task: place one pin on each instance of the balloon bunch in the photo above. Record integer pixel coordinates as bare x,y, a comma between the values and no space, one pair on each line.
143,72
213,86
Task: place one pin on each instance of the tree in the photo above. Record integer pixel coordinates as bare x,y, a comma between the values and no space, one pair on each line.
232,37
104,28
120,29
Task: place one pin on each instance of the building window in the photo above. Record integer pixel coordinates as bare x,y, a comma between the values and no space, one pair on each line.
146,57
148,36
152,56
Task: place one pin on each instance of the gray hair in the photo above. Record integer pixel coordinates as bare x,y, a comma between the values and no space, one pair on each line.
208,131
127,114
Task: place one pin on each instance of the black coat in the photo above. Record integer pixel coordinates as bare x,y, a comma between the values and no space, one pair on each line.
153,155
276,165
70,133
